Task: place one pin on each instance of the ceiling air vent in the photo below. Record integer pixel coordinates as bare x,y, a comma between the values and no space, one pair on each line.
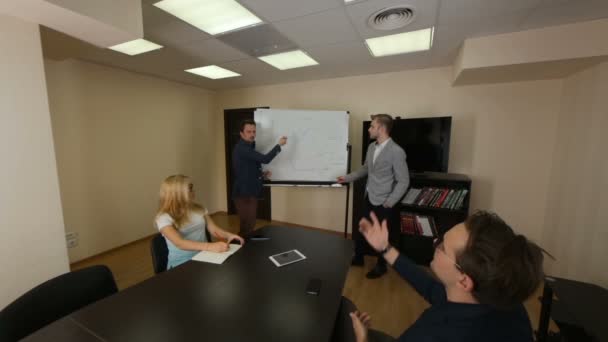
391,18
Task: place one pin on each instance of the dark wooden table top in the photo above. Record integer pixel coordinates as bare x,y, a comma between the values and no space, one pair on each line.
247,298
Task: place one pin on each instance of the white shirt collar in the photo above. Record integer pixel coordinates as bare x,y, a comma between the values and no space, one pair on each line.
383,144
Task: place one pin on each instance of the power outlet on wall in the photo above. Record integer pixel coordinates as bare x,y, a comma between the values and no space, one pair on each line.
71,239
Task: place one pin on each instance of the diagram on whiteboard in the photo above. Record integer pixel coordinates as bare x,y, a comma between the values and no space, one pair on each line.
316,143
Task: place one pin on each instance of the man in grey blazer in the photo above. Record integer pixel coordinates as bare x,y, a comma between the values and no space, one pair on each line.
387,181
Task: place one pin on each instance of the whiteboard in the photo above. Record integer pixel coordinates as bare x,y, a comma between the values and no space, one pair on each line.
316,149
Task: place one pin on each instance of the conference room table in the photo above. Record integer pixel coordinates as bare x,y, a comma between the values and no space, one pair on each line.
247,298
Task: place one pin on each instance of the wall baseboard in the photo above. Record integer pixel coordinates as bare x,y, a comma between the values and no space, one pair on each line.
148,237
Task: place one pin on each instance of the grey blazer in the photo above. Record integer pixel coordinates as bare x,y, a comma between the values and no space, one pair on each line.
387,178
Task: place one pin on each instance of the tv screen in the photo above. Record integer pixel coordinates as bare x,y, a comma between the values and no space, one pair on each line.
426,142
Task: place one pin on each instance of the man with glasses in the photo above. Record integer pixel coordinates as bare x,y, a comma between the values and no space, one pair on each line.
484,272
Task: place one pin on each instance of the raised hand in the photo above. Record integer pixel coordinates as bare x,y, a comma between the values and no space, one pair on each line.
375,233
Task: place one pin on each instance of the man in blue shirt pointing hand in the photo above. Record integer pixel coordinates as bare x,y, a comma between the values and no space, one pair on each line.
248,174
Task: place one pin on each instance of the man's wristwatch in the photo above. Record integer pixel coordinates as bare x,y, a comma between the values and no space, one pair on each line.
385,250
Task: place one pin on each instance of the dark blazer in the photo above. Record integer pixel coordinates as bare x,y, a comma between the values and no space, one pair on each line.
247,167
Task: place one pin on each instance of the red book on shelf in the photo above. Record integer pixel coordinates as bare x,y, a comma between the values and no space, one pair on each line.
407,224
442,198
423,194
435,197
428,196
418,227
431,198
447,200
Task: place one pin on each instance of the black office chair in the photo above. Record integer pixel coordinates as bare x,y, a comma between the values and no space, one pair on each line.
159,252
55,299
343,327
208,235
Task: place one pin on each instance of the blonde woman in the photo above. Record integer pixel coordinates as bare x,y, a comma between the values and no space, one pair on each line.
183,222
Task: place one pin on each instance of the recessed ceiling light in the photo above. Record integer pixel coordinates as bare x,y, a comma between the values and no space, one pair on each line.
213,72
135,47
211,16
406,42
289,60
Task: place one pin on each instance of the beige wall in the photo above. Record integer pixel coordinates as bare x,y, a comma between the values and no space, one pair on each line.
553,43
125,15
118,135
552,52
576,227
102,23
33,247
503,136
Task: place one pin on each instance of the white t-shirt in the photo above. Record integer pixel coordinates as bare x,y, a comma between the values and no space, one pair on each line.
196,219
193,230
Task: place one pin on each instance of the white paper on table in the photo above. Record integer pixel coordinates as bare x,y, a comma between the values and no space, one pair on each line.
216,258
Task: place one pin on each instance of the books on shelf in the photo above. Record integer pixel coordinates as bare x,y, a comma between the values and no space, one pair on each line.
416,224
453,199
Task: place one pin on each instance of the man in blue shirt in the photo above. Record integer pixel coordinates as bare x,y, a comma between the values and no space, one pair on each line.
248,174
484,272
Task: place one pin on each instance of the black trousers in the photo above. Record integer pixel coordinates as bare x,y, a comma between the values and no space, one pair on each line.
391,215
247,208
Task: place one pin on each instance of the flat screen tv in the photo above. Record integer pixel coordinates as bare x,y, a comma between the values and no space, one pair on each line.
426,142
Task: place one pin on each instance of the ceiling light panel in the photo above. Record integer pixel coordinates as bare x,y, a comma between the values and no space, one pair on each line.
213,72
136,47
406,42
211,16
289,60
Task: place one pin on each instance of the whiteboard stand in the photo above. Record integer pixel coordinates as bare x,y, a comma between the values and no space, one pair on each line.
348,149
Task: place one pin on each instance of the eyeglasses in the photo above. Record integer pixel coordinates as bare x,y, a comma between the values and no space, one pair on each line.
438,245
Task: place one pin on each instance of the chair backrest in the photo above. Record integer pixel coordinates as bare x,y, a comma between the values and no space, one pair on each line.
159,252
343,327
208,235
55,299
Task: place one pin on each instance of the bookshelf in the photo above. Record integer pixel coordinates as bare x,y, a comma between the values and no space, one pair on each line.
418,247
